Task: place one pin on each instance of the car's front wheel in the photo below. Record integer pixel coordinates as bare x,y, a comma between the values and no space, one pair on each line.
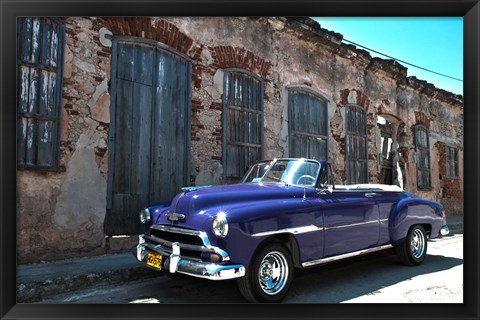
269,275
414,249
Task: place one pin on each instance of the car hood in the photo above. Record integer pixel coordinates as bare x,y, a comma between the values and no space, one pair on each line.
203,203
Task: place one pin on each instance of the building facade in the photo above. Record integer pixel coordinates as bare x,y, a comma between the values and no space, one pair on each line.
114,113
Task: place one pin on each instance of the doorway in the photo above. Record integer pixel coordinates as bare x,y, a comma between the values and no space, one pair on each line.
149,131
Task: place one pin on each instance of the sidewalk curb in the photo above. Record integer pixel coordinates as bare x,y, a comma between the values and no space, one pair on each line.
29,290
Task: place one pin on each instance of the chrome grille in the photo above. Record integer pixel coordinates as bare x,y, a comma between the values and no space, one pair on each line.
176,237
192,243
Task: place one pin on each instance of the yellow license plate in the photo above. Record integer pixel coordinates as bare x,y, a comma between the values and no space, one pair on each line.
154,260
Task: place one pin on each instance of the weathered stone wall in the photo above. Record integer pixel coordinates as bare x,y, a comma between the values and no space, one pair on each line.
61,214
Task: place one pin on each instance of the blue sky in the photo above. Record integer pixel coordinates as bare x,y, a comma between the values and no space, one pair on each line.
434,43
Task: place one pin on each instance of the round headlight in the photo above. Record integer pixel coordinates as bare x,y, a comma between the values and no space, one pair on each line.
220,225
145,216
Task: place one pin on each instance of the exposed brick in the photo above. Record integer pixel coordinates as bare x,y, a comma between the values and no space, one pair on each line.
362,100
162,31
216,106
344,96
100,151
228,57
421,118
197,105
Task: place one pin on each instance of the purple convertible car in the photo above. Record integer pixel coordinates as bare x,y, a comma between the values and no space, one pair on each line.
285,214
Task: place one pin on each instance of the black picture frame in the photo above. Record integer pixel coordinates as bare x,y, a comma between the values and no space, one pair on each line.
468,9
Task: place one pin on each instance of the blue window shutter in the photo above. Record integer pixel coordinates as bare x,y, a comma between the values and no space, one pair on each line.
242,122
39,77
307,124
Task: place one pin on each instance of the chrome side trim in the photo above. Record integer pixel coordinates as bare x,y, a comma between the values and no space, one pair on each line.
344,256
297,230
352,225
312,228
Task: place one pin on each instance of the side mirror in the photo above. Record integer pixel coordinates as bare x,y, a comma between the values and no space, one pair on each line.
329,189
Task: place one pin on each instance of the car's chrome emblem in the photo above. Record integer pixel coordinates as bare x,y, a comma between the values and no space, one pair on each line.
175,216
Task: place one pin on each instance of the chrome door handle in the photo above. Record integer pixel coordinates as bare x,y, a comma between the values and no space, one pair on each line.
370,195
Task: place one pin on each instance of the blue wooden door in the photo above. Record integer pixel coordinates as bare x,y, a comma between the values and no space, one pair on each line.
149,133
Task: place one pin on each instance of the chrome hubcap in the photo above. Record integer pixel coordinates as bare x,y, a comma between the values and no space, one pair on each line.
273,273
417,243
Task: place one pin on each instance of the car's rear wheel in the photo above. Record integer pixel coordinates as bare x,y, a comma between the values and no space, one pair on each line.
414,248
269,276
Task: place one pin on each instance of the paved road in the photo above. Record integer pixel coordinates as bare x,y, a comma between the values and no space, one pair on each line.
376,278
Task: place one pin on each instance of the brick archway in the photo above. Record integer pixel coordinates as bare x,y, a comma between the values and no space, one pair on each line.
353,96
153,29
234,57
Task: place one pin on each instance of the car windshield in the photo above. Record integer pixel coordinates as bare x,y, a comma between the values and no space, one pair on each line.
293,171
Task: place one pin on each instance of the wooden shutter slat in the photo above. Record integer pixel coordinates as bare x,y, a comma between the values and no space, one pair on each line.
242,123
45,143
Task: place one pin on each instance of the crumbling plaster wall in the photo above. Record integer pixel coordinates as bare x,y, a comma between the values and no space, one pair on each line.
444,118
61,214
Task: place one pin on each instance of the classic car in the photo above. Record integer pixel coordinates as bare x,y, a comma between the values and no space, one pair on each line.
284,214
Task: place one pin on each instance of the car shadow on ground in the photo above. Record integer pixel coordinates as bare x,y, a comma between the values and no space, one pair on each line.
352,278
333,283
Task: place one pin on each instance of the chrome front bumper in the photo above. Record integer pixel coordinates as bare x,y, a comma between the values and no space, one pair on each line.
175,263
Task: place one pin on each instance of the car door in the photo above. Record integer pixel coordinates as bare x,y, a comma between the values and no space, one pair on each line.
351,221
386,201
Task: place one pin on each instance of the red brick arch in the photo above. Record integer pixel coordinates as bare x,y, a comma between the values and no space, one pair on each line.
362,99
234,57
150,28
421,118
